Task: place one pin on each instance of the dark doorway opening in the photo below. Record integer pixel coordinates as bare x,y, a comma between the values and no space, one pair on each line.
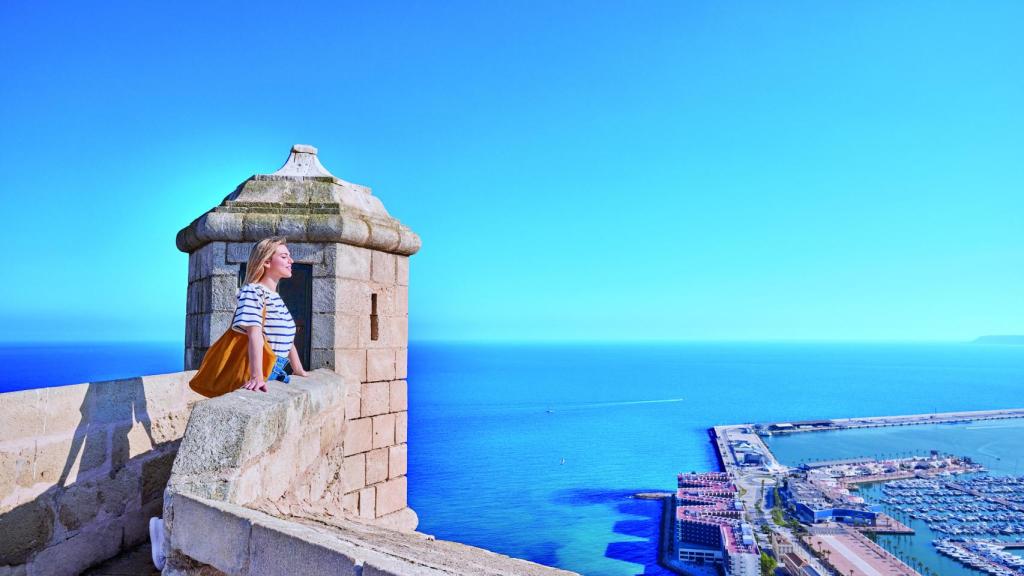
297,293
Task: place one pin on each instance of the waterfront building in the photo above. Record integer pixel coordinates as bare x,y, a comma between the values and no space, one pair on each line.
807,502
710,527
780,544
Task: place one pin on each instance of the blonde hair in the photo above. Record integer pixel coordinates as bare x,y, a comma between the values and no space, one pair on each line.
259,256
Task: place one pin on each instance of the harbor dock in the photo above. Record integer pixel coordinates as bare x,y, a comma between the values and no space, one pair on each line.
883,421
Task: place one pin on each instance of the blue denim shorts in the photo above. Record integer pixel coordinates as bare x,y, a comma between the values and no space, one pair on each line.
278,372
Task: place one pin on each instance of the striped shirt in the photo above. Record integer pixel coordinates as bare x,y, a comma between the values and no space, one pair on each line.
279,328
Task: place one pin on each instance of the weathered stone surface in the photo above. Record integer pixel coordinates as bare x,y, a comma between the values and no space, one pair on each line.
382,267
336,330
15,470
309,451
136,523
383,430
352,262
359,436
397,460
376,465
208,261
220,322
395,567
351,297
180,565
391,495
319,479
354,473
155,473
78,505
322,335
402,363
351,364
115,493
288,550
380,364
402,270
223,293
69,457
350,503
401,427
22,415
398,396
169,426
342,212
69,557
216,442
332,432
374,398
368,503
136,437
336,546
26,529
399,330
238,252
353,402
63,408
211,535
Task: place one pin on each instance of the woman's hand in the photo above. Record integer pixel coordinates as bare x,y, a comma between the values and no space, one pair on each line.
255,384
296,362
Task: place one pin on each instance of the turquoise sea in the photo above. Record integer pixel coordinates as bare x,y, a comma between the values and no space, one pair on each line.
534,450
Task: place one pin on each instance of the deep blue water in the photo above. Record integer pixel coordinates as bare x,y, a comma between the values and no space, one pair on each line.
42,365
490,425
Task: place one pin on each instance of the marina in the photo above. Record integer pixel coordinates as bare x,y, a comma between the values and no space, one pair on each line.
983,505
896,495
985,556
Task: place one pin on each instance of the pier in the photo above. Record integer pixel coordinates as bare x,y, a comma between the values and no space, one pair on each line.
884,421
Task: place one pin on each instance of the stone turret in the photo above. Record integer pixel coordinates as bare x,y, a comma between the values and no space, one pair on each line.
348,295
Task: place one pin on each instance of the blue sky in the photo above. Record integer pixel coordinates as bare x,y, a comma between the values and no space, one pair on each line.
576,170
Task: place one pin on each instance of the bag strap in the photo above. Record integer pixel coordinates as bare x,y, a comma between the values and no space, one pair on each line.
263,321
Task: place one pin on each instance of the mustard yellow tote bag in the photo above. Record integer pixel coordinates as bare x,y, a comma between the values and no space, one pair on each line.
226,365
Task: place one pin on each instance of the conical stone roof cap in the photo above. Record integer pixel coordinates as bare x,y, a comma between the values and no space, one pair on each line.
304,202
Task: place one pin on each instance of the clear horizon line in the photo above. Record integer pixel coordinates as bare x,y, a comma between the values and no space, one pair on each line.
561,340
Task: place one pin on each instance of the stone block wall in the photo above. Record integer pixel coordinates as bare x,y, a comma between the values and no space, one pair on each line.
256,486
376,452
360,329
280,451
83,468
349,334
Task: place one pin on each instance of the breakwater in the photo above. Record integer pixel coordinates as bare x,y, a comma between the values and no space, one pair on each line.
887,421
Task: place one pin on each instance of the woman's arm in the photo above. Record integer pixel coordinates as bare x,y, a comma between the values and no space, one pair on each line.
296,362
255,381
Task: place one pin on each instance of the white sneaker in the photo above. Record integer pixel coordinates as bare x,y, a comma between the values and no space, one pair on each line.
156,541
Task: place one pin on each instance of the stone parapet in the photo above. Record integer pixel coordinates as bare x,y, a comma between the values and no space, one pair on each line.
305,447
307,478
273,449
83,468
238,541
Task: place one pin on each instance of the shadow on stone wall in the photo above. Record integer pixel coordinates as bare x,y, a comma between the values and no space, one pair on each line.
103,489
89,436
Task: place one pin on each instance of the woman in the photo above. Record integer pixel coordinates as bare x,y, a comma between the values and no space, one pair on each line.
269,262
